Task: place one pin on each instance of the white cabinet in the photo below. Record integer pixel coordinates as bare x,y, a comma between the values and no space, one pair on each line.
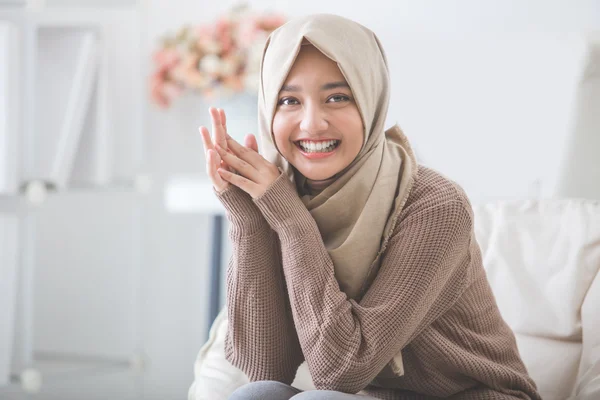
71,91
71,103
65,78
9,106
8,275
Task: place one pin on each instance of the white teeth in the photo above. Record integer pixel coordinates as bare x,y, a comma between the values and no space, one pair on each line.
315,147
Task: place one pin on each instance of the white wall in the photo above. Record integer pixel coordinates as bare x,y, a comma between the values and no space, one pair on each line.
487,136
476,86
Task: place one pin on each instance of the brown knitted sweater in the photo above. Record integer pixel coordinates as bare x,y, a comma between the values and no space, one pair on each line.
430,299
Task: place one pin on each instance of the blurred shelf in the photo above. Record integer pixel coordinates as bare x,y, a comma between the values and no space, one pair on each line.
22,201
13,3
75,103
42,5
92,134
142,185
9,107
92,3
78,379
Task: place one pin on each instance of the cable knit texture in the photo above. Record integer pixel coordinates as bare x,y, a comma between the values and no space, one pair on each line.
430,298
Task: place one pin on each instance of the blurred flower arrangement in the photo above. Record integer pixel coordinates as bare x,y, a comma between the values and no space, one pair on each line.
217,59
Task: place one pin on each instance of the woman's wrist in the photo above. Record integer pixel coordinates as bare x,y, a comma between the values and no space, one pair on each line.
242,213
283,210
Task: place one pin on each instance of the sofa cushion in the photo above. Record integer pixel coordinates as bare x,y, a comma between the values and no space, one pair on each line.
215,377
588,379
551,360
541,257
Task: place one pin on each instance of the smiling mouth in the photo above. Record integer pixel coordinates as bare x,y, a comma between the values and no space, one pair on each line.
324,146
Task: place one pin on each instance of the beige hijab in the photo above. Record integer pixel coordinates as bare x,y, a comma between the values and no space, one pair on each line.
357,212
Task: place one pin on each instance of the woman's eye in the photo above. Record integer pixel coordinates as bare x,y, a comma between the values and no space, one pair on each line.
288,101
338,98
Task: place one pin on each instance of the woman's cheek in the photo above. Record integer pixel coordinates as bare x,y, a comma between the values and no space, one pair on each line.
280,135
275,129
280,144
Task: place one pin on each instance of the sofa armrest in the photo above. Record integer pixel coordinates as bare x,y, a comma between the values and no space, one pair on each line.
214,377
588,378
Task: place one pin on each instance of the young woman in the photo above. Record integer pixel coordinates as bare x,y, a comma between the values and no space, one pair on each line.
348,254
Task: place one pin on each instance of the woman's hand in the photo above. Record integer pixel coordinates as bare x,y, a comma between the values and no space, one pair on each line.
219,137
254,173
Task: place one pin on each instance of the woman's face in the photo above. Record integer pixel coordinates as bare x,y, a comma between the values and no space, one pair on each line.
317,125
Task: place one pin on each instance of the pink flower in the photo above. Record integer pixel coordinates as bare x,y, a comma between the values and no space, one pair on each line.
163,91
234,82
208,93
172,90
271,22
166,57
195,79
223,25
226,43
214,59
204,30
156,91
246,32
208,44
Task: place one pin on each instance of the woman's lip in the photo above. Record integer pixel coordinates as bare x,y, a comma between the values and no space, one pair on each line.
316,141
314,156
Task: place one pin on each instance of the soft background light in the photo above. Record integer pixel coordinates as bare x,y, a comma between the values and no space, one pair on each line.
484,91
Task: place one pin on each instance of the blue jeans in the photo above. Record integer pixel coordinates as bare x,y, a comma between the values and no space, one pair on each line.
273,390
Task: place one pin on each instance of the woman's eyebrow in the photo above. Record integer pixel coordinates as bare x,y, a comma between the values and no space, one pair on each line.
335,85
327,86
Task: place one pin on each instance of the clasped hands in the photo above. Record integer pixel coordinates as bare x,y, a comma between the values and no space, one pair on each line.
228,162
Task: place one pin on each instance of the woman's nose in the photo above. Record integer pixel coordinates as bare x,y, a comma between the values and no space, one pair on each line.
314,120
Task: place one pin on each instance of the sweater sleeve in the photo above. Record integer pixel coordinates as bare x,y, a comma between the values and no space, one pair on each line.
261,339
422,273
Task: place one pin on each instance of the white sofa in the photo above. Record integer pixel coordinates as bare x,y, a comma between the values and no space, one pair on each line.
542,259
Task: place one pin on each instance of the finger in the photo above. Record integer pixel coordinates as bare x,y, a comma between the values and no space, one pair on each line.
219,136
213,160
245,153
224,122
212,166
243,183
250,142
227,167
206,140
242,167
223,119
208,144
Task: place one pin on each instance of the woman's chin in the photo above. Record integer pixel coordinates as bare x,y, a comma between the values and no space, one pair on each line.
317,176
315,173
